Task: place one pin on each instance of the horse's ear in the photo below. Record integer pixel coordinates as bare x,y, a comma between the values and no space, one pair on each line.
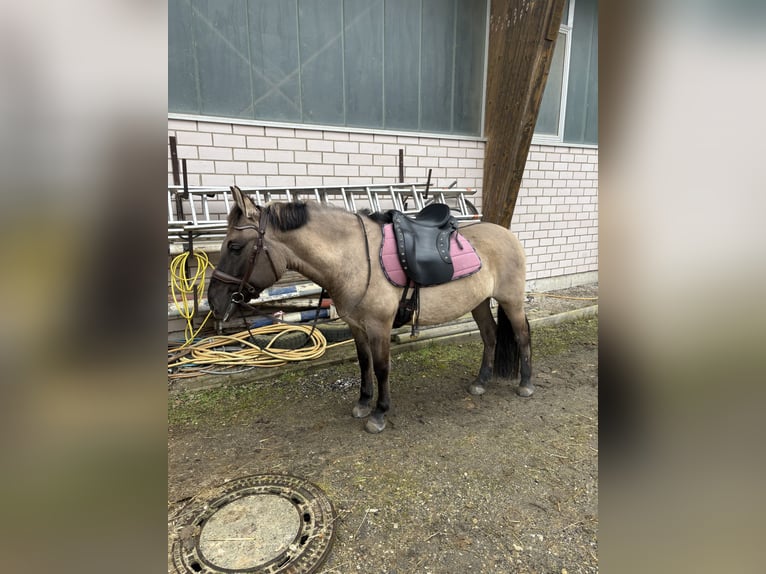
243,202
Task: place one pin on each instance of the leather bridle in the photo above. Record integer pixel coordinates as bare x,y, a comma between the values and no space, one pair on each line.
246,290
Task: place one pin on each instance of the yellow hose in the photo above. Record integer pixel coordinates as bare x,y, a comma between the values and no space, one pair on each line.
191,358
182,287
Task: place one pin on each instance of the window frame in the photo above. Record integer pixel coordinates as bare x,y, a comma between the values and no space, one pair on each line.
558,138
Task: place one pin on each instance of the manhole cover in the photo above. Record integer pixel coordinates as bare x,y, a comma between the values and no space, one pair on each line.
263,524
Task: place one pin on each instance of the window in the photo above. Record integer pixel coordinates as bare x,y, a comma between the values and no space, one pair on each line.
569,108
389,64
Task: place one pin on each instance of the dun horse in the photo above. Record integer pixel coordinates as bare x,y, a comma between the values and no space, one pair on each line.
339,251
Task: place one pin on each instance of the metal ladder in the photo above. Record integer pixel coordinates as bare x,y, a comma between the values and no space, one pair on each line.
201,211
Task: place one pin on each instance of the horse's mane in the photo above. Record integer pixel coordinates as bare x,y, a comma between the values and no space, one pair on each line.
293,215
288,216
380,217
283,216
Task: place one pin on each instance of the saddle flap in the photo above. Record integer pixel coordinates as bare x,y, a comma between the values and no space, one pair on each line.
423,244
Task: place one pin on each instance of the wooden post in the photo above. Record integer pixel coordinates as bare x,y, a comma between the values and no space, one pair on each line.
522,36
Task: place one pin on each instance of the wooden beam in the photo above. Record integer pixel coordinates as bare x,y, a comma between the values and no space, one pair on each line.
522,36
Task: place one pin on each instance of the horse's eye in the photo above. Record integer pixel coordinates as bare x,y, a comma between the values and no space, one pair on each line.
235,247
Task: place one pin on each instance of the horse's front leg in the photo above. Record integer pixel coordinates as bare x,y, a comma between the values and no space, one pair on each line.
380,345
363,408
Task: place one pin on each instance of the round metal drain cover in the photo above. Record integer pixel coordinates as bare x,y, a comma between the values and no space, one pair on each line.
262,524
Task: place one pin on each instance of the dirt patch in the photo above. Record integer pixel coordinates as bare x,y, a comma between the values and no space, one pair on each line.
455,483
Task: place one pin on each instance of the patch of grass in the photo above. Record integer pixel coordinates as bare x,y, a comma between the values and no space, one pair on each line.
223,404
556,339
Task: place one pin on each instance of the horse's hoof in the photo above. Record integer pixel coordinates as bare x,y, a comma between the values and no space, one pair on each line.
361,411
374,426
525,390
477,390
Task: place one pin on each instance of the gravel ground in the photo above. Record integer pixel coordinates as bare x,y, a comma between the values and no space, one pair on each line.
455,483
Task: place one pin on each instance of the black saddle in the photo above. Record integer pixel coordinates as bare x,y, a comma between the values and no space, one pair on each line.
423,243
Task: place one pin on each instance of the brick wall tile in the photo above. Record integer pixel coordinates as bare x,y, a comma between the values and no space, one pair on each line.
226,140
279,132
436,152
319,145
385,160
279,156
320,169
186,151
309,135
360,159
221,153
475,173
199,166
194,138
248,130
230,167
447,162
259,142
477,153
346,147
249,154
214,127
370,171
336,158
291,144
384,138
347,170
362,137
184,125
280,180
292,169
336,180
262,168
371,148
336,136
250,180
309,180
216,179
308,157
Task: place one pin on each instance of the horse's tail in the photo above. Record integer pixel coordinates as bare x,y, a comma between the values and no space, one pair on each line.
507,354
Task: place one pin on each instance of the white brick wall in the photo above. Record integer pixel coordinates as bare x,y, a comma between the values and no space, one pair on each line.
556,214
276,156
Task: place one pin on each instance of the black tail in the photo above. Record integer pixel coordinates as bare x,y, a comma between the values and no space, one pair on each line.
507,355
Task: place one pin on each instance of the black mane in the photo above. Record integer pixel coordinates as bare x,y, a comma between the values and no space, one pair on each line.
288,216
283,216
381,217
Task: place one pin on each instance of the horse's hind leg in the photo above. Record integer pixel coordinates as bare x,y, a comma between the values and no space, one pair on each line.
516,322
363,408
488,330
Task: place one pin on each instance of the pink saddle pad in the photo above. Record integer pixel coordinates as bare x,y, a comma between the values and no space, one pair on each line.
465,260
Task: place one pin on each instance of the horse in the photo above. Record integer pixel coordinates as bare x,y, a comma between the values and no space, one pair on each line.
332,247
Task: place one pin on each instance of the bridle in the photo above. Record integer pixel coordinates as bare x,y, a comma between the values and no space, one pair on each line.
246,290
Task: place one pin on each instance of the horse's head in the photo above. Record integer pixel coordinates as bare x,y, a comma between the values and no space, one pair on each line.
245,267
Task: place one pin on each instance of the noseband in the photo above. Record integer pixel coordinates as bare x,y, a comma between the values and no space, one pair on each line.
246,290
